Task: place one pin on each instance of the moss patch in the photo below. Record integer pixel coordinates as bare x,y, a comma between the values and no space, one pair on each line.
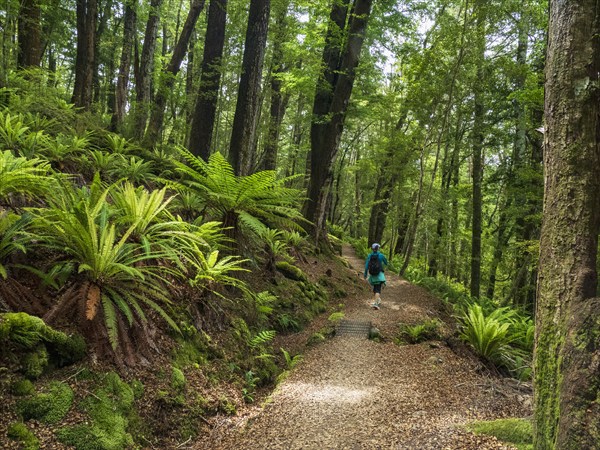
24,436
50,406
22,387
290,271
109,410
518,432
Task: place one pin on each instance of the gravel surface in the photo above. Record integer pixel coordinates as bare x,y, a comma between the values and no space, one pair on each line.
353,393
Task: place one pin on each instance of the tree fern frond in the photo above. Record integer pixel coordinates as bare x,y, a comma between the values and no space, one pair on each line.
110,320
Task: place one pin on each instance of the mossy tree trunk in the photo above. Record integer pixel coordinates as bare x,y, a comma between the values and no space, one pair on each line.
567,357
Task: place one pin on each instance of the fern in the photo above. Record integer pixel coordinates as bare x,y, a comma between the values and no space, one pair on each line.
248,204
262,338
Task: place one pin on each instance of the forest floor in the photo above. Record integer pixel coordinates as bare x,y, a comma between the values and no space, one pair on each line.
355,393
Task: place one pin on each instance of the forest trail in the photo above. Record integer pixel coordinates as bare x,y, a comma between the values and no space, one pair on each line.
354,393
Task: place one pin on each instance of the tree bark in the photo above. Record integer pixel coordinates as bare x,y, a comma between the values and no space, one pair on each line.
169,74
328,117
30,30
279,100
144,74
129,25
248,100
203,119
87,14
478,139
567,355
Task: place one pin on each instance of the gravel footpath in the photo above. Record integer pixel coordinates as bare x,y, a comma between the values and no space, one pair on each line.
353,393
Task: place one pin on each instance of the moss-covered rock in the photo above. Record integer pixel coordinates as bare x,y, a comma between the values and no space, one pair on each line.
22,387
19,432
38,344
50,406
109,410
290,271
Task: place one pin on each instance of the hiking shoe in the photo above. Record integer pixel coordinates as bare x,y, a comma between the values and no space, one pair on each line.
375,305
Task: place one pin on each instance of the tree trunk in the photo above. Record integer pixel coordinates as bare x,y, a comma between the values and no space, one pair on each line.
168,76
203,119
328,117
129,25
144,74
30,30
279,101
87,13
566,367
478,139
248,100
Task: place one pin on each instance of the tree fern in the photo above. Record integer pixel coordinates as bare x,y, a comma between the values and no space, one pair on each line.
247,204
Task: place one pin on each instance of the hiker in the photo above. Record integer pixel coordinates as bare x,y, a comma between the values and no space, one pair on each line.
374,268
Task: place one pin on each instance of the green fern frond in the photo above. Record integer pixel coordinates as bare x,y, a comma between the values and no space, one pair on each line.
262,338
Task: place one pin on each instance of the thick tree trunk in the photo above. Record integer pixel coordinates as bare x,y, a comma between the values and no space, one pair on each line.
567,355
129,22
328,121
144,74
478,139
203,120
169,74
248,100
87,14
30,31
279,100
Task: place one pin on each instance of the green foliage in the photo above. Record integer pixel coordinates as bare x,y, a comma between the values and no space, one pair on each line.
108,410
50,406
11,238
286,322
336,317
247,204
121,275
517,432
19,432
413,334
249,389
22,176
291,362
488,334
261,339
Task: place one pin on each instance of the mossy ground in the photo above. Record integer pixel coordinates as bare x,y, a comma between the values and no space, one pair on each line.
517,432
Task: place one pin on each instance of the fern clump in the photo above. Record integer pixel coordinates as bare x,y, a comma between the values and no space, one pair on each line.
245,205
19,432
50,406
414,334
